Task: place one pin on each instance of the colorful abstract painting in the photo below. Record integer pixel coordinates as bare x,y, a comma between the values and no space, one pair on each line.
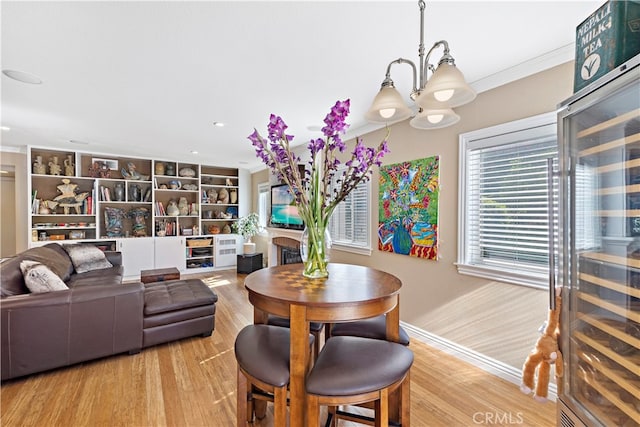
408,208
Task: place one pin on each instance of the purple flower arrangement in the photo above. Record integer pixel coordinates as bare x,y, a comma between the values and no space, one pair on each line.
314,196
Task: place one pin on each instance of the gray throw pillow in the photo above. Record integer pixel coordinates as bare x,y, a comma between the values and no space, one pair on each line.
86,257
39,278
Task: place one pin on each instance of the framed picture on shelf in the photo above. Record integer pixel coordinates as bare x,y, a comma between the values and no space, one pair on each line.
111,164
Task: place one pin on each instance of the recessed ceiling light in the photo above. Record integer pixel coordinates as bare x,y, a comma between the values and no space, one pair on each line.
77,141
23,77
218,124
194,152
5,128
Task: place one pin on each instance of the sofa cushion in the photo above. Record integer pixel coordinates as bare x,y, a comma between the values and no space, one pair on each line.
52,255
39,278
65,266
87,257
105,276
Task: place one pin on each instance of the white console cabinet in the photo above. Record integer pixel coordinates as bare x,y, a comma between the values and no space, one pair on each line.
137,255
169,252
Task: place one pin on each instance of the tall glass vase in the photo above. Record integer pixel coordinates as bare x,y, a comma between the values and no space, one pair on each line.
315,248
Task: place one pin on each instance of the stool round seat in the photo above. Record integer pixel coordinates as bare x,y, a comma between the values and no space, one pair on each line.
263,352
374,328
350,365
285,323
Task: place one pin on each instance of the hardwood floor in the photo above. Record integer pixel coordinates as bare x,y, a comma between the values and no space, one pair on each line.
192,383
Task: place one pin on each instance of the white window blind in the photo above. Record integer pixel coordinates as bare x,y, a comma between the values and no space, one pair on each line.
349,224
504,207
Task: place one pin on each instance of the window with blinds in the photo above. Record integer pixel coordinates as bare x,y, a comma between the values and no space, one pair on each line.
350,222
504,201
264,203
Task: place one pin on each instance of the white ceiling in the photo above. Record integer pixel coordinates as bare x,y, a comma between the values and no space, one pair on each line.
148,78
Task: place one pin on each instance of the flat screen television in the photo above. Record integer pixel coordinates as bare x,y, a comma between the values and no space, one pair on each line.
284,213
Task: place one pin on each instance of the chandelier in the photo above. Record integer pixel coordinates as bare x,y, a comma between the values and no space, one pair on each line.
435,96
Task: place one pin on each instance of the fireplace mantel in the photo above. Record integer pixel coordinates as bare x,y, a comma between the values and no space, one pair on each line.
281,237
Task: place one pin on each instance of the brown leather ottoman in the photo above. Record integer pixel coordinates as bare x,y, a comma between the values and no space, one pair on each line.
177,309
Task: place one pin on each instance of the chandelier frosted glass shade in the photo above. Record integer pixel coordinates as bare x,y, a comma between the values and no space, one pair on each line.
388,106
446,87
434,119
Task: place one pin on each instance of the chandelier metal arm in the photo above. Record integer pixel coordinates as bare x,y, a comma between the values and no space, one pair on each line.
388,82
425,67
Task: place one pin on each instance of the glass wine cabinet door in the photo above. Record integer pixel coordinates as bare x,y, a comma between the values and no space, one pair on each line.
601,317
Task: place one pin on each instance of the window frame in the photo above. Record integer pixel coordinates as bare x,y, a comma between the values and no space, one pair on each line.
264,188
467,142
351,246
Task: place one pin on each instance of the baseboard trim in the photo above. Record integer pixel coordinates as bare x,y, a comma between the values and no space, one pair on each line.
479,360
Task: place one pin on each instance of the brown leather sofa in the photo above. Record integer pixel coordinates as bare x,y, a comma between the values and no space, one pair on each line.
97,316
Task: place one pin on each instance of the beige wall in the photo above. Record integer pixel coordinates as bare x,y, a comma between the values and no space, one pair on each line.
19,200
497,319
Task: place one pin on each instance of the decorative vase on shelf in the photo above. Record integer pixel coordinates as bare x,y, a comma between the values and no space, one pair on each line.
159,168
118,192
315,248
134,193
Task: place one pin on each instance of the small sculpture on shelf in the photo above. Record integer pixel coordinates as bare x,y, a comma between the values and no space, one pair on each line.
183,206
47,207
39,167
69,167
113,221
223,196
139,225
187,172
99,170
68,197
212,196
226,229
54,166
132,173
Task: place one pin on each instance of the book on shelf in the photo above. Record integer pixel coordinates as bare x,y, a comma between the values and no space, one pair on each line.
160,209
105,194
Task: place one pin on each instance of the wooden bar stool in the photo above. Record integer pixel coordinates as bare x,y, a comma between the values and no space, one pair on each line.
262,353
374,328
315,328
355,370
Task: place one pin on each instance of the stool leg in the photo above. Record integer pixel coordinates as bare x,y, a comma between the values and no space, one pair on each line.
405,401
382,409
280,406
313,411
241,400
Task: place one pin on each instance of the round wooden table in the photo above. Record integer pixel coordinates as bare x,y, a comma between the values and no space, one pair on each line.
351,292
